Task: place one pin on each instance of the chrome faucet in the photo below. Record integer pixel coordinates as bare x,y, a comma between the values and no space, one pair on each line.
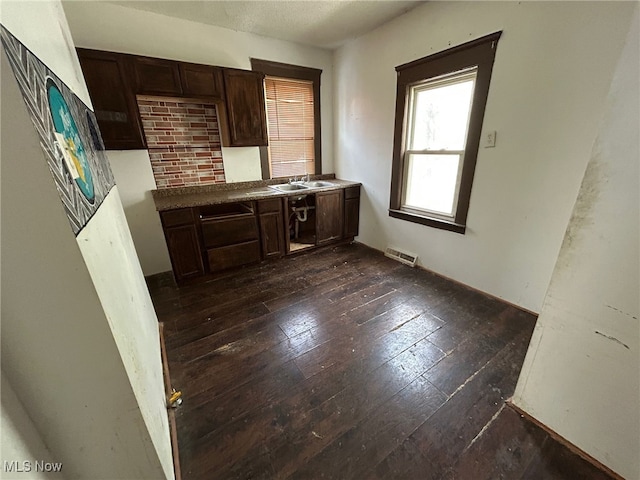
295,179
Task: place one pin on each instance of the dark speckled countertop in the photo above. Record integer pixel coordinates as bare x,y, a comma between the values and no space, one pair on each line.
182,197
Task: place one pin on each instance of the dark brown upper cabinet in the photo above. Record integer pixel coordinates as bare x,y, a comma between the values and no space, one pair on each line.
201,80
114,80
155,76
107,77
244,95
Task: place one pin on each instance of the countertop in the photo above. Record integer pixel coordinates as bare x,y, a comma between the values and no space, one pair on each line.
183,197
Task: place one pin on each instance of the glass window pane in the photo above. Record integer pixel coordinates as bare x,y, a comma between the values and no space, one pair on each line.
441,115
431,182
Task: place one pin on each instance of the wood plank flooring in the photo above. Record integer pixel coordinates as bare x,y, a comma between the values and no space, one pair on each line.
341,363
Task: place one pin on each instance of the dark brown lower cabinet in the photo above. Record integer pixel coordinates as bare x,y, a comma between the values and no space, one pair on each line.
212,238
329,216
184,250
351,211
271,228
183,242
230,235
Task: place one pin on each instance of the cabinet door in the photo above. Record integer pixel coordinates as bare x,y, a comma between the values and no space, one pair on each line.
107,78
155,76
201,80
271,228
184,250
351,211
244,95
329,216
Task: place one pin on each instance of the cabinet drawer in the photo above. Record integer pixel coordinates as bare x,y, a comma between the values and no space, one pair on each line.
172,218
351,192
230,256
270,206
227,231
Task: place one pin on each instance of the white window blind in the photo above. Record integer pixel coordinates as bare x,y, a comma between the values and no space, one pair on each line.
290,123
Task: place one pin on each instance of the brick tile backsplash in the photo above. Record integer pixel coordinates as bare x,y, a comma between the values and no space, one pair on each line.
184,142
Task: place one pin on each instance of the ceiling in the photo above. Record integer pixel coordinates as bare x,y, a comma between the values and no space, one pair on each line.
325,24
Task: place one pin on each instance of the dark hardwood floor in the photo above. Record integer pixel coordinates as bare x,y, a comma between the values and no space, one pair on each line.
341,363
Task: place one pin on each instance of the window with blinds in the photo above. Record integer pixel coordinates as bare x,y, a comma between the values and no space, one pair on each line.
290,123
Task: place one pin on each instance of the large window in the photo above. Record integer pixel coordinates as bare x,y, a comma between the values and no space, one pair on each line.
439,108
293,120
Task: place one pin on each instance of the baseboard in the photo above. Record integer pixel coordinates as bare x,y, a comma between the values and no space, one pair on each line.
560,439
452,280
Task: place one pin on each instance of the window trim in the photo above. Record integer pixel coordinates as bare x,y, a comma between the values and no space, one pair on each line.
295,72
480,53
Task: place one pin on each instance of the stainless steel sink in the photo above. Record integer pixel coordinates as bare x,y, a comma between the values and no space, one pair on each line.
319,184
289,187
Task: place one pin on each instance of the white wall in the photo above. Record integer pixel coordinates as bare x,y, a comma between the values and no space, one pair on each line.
582,371
553,66
115,28
107,248
241,164
80,340
134,177
20,441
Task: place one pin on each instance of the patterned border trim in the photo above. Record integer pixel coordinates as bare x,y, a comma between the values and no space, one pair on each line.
32,76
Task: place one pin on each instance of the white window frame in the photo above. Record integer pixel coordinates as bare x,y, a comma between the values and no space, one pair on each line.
432,83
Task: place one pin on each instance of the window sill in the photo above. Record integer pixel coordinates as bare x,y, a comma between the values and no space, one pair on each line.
428,221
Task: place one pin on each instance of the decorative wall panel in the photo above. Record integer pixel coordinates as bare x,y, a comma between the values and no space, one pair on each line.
68,132
183,138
